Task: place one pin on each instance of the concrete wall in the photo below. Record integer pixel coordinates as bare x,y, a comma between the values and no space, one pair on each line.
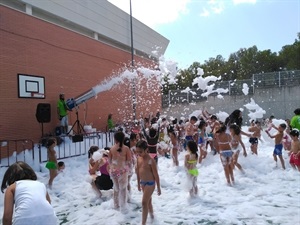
280,102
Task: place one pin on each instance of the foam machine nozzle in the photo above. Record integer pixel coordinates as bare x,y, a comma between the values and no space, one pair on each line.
73,102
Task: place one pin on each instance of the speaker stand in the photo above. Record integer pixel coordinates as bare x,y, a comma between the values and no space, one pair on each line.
79,127
42,129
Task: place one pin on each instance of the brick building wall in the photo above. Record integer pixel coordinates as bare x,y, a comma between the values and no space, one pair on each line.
71,63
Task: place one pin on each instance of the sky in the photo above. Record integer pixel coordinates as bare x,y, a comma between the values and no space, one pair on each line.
200,29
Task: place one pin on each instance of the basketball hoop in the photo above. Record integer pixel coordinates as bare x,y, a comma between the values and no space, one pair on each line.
37,95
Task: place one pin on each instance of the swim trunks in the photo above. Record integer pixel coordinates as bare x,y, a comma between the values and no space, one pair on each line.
278,149
295,159
253,140
51,165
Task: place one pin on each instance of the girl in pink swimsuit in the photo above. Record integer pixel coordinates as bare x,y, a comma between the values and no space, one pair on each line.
119,161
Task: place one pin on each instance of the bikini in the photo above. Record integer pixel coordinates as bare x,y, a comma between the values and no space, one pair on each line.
235,149
193,172
117,172
226,155
149,183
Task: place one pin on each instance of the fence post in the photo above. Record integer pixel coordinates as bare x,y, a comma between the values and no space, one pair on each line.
169,97
279,81
229,89
253,82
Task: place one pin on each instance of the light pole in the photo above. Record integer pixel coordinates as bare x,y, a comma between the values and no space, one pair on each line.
132,65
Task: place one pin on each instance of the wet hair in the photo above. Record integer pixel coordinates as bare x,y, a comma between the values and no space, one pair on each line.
17,171
213,117
180,122
119,137
152,132
171,131
105,153
163,119
60,163
127,142
194,118
146,120
271,117
222,129
257,122
192,147
236,129
92,150
201,124
50,142
142,144
153,120
294,132
132,136
297,111
234,118
283,125
174,121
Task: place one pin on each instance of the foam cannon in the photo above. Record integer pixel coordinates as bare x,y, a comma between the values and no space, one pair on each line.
74,102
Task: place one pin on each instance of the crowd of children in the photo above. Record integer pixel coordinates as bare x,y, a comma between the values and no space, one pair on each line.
138,152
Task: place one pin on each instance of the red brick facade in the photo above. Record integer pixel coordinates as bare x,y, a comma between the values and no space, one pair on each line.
71,63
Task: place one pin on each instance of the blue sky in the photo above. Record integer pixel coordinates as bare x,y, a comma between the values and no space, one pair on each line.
200,29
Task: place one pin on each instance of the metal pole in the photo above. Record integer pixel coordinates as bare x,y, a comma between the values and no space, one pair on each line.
131,36
132,64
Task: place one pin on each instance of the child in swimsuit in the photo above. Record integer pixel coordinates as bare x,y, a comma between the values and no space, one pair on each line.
278,143
119,161
175,146
190,129
226,153
236,144
202,140
131,143
51,165
256,128
147,177
190,162
295,149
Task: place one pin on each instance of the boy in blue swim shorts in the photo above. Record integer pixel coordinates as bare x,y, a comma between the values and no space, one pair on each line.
278,143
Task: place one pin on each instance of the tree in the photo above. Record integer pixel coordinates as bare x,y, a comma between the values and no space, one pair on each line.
289,55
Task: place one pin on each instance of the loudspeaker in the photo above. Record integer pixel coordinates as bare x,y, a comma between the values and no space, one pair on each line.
77,138
43,113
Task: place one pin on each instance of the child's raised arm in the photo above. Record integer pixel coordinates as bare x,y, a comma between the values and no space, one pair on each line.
156,176
271,136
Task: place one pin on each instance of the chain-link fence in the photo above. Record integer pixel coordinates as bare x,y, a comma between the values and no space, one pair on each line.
258,81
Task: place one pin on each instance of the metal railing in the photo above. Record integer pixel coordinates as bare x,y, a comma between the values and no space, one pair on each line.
26,150
12,151
258,81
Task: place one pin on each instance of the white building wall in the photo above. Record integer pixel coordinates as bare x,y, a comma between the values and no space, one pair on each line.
106,19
